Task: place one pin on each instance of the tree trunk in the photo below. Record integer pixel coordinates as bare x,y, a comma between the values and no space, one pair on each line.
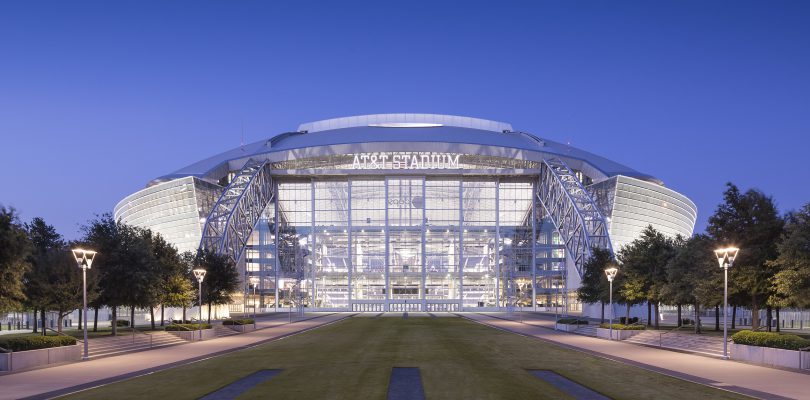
680,320
778,320
152,315
162,315
656,316
59,320
717,318
602,320
627,313
35,321
733,316
184,315
114,320
697,317
95,319
769,316
754,313
44,325
649,313
132,317
209,313
80,317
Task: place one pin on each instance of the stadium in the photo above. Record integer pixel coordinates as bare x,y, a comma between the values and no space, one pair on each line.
416,212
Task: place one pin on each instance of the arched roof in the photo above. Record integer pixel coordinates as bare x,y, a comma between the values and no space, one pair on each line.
407,128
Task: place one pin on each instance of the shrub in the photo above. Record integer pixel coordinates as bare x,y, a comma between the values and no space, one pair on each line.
572,321
623,327
242,321
187,327
623,320
23,343
121,322
770,339
687,321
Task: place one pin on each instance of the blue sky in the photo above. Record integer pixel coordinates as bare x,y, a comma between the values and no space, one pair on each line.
97,98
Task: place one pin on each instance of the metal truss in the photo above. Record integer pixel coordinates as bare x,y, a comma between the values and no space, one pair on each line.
237,211
572,211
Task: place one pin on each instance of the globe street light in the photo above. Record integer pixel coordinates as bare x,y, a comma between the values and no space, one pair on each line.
254,280
199,273
85,259
611,274
725,257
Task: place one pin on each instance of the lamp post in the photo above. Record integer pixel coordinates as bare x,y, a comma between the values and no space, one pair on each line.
199,273
725,257
611,274
254,280
85,259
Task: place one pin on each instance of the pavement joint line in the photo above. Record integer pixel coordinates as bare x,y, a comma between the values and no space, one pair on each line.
148,371
674,374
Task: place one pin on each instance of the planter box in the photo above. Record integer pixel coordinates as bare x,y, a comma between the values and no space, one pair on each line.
604,333
20,360
567,327
241,328
770,356
193,336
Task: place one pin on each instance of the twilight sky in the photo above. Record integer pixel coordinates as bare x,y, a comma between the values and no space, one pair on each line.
97,98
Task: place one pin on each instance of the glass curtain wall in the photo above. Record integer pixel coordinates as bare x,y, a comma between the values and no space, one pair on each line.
404,243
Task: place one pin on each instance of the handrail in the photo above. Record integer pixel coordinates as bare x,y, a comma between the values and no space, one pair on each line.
134,330
661,334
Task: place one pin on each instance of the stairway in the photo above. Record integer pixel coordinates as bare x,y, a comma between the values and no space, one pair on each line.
126,343
687,342
222,331
586,330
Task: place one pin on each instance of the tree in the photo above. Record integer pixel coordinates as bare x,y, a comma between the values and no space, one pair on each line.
14,247
693,276
791,285
63,285
44,241
221,279
751,222
643,266
127,267
595,287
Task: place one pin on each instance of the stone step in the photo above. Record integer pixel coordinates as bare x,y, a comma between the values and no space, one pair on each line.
104,347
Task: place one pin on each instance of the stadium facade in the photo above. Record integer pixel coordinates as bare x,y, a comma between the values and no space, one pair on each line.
418,212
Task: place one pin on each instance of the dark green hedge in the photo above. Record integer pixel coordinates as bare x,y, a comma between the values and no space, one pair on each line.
187,327
623,327
770,339
23,343
122,323
572,321
242,321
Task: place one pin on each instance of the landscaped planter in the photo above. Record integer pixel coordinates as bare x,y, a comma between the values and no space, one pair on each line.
192,336
618,334
242,328
568,327
20,360
770,356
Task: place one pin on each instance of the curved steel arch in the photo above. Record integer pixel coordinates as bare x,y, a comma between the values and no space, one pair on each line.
572,211
569,206
238,209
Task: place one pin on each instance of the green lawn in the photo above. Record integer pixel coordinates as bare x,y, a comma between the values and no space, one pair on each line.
352,359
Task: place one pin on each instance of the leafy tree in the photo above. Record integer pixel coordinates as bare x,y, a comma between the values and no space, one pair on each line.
63,286
644,263
791,285
127,267
221,279
751,222
45,241
14,247
595,287
693,276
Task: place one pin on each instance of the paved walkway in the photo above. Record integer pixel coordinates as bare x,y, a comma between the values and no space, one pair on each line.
50,382
752,380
